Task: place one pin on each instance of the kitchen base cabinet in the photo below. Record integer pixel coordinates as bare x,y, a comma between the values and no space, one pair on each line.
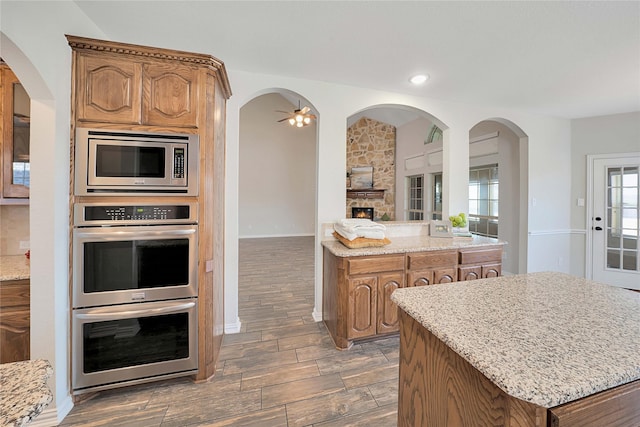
356,300
14,321
357,296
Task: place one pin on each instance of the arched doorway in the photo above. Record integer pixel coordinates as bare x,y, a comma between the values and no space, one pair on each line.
277,174
403,145
48,212
498,183
277,168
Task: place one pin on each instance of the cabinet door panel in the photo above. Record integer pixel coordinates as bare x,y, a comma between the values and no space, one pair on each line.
109,90
420,278
444,275
15,134
387,310
170,95
492,270
362,307
469,272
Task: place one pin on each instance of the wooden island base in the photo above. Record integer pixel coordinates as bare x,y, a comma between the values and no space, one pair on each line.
439,388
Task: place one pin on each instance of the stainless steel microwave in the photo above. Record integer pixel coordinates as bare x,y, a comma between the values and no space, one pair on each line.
109,162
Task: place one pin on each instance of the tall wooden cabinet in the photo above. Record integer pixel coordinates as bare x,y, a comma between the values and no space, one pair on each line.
131,87
15,125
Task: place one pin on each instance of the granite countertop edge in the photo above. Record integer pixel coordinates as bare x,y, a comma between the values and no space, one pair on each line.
410,244
24,393
526,373
14,267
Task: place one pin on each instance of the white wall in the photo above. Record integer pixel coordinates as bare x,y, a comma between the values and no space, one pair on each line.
45,71
34,46
410,144
277,171
337,102
619,133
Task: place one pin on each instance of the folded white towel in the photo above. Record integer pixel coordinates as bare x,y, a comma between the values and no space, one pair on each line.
352,235
353,224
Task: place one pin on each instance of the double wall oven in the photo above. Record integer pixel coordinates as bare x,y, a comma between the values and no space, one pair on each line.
134,293
134,290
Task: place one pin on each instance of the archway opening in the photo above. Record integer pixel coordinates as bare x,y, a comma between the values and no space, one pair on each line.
403,147
498,185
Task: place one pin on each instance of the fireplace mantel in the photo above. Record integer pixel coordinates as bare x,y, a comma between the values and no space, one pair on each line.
365,193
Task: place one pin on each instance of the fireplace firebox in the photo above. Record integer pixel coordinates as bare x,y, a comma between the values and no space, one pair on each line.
362,213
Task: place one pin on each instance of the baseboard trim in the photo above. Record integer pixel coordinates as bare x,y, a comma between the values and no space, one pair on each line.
53,416
266,236
234,327
317,316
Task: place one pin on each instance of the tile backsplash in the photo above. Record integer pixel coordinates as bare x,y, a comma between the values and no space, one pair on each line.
14,228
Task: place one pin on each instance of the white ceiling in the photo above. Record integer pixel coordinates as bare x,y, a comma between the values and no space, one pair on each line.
567,59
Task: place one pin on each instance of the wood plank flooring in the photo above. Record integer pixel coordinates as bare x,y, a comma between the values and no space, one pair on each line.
281,370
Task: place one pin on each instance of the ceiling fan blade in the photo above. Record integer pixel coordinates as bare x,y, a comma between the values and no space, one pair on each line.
305,110
282,120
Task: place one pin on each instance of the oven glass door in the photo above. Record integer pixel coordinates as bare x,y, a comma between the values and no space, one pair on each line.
115,265
135,341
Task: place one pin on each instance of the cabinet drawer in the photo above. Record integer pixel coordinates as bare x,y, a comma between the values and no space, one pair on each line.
14,293
16,321
481,256
376,264
433,259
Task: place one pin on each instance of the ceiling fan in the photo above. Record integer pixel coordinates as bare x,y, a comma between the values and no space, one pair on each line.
299,117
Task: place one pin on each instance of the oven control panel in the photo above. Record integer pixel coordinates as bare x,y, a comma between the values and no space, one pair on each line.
102,214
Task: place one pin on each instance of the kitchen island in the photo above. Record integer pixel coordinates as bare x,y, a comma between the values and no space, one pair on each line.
535,349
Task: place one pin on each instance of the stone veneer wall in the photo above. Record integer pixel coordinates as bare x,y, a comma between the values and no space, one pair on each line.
373,143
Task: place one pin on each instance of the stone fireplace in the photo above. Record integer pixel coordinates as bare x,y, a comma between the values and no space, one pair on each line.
362,212
373,143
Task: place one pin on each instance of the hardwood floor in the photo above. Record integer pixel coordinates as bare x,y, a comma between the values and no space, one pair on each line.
281,370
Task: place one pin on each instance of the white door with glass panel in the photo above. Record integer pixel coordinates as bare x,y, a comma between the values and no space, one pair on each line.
615,216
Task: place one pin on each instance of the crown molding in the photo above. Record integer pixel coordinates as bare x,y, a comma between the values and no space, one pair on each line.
209,61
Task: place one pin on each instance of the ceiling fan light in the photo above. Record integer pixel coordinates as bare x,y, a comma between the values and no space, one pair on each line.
292,121
299,124
307,120
299,118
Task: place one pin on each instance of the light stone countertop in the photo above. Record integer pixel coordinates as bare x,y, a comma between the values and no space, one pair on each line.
405,244
24,393
546,338
14,267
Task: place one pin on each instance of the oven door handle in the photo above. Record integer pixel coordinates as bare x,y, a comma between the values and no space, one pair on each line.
119,314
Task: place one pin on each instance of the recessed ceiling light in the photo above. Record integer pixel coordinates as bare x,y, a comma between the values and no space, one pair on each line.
419,79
